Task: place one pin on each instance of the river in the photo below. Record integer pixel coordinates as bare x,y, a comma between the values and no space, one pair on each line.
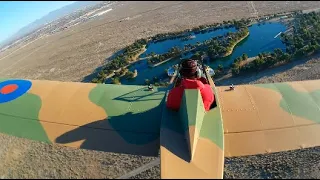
261,39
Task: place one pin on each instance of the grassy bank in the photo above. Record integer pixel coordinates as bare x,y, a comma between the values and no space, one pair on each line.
228,53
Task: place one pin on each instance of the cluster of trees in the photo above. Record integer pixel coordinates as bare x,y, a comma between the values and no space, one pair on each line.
116,79
156,82
200,29
216,47
218,71
173,52
236,65
243,23
170,35
219,47
130,75
120,61
303,41
124,72
185,33
263,61
188,47
136,46
209,28
305,38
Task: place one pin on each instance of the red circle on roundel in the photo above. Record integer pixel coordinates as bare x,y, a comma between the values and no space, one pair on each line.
9,89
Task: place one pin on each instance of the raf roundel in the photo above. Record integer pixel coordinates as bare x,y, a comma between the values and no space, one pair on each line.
12,89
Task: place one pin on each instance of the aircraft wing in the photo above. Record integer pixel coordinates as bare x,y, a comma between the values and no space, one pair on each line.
266,118
105,117
252,119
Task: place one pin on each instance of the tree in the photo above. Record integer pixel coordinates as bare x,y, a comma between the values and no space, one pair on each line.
94,80
102,75
196,55
278,52
115,80
258,63
129,75
235,70
244,56
122,71
147,81
286,57
117,74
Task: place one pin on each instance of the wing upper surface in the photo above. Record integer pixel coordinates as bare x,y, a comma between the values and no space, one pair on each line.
265,118
115,118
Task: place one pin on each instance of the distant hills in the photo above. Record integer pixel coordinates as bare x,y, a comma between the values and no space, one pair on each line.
53,15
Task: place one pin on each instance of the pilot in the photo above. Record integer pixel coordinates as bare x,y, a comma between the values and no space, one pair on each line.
150,87
191,79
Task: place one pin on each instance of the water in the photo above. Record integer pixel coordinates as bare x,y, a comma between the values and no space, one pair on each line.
261,39
165,46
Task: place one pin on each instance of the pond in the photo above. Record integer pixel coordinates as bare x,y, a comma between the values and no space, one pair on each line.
261,39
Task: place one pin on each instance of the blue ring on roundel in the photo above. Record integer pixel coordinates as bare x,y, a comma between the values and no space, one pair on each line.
23,87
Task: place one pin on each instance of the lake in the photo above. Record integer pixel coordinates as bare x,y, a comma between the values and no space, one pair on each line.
261,39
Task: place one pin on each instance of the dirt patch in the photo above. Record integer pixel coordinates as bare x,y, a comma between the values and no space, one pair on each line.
296,164
22,158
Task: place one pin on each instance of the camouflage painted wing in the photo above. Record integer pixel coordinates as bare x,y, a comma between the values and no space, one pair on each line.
266,118
112,118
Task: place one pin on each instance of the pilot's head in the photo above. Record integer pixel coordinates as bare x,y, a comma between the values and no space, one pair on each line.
189,69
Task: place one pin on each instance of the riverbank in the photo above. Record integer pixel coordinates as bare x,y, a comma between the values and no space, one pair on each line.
225,55
133,60
234,45
307,68
136,57
227,73
159,63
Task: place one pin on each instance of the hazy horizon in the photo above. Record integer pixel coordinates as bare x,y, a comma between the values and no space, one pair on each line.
15,15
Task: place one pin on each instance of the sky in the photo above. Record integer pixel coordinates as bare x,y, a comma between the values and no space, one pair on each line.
14,15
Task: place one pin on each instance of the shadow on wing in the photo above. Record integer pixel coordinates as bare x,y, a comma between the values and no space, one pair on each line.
129,133
172,135
131,97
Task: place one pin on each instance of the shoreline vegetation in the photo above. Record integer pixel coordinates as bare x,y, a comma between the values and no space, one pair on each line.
216,47
235,44
302,42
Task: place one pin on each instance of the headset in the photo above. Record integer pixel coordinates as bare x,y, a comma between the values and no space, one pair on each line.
198,72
